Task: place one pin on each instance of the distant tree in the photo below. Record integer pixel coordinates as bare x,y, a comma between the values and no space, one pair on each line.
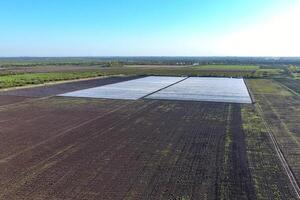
115,64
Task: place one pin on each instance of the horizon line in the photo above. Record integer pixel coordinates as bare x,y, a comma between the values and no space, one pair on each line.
149,56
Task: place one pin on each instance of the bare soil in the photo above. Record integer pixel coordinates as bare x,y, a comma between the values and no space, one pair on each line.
62,148
78,148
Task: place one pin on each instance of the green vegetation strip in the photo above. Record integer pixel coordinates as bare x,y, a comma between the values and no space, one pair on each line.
22,79
264,165
177,71
225,187
227,67
40,78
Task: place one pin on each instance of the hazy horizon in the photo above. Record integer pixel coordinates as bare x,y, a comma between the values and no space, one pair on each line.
150,28
116,56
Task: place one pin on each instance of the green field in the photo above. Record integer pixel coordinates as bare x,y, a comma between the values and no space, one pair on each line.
227,67
279,104
39,72
294,71
40,78
22,79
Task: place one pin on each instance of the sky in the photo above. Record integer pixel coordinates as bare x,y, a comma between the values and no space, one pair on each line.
149,28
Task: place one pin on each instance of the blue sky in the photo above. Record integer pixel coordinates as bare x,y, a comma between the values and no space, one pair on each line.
141,27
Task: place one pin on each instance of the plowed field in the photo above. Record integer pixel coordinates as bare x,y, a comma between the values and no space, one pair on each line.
76,148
